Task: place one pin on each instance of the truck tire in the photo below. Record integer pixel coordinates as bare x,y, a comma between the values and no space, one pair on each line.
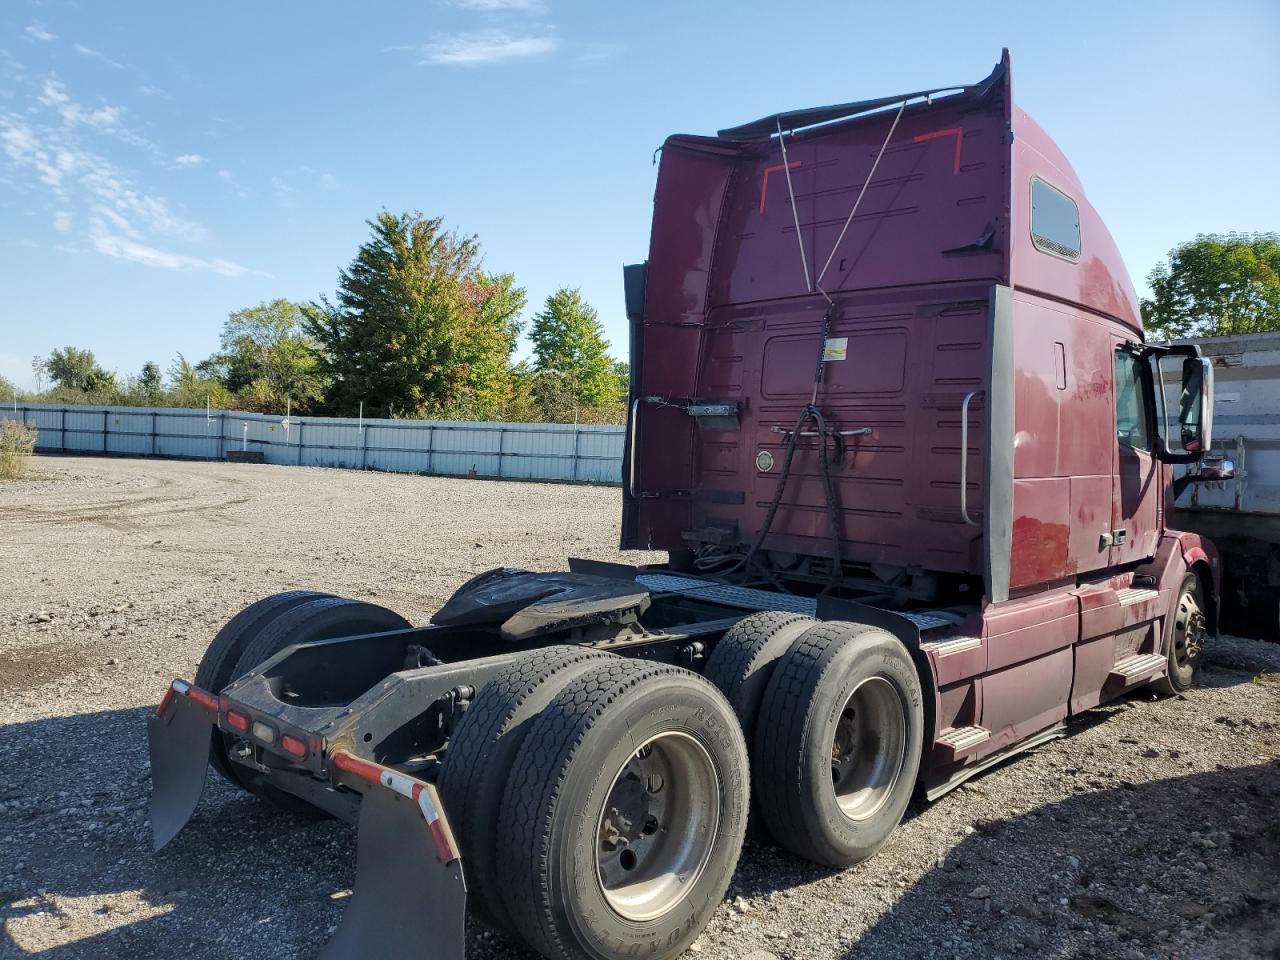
481,753
321,618
740,667
624,814
1186,637
217,666
838,743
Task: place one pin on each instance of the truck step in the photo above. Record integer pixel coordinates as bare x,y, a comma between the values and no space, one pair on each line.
1134,668
960,742
1132,595
952,645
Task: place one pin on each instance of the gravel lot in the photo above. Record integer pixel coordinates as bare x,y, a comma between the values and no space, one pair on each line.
1152,830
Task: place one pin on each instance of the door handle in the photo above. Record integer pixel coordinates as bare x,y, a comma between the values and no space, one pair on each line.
964,458
1113,538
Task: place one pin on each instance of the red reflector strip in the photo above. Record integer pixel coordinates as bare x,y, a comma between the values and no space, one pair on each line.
369,772
165,701
178,686
237,721
422,794
291,744
206,700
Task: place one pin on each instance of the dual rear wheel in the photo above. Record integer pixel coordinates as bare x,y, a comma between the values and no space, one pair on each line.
601,803
834,714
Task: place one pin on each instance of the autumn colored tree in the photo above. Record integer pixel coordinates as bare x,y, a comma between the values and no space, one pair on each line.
417,327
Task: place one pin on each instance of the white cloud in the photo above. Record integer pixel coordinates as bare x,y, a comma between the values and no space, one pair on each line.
55,95
485,46
36,29
81,49
49,146
492,6
124,248
149,91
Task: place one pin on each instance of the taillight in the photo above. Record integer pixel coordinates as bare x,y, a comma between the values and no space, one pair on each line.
237,721
292,745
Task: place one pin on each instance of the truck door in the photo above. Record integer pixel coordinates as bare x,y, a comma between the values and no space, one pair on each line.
1136,475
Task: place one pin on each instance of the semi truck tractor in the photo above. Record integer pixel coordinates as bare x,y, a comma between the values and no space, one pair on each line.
894,423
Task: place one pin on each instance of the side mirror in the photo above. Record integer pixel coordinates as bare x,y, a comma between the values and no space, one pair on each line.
1184,392
1212,467
1217,468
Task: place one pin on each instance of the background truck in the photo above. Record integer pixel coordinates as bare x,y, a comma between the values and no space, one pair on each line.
1241,513
894,422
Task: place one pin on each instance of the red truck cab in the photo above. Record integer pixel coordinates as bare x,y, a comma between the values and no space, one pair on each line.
994,436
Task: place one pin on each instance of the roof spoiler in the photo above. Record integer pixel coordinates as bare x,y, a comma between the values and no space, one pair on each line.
793,120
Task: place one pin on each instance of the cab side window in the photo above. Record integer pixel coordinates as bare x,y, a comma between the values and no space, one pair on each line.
1131,403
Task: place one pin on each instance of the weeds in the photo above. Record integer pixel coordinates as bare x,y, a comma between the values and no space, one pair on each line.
17,441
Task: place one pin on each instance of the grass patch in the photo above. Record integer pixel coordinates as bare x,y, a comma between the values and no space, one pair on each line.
17,441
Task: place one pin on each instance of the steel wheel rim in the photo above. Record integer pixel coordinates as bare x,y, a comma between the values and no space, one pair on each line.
868,748
1188,630
658,826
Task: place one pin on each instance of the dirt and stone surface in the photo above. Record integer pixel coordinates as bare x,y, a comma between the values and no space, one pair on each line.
1152,830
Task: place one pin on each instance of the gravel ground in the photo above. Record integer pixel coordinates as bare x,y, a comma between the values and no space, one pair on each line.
1150,831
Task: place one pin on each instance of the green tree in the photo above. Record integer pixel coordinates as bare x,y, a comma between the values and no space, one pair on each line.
569,345
417,327
266,357
77,369
150,383
189,388
1216,285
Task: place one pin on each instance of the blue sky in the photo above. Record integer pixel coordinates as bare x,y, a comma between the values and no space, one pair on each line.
162,164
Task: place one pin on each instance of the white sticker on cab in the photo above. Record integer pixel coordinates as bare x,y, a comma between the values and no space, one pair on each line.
836,348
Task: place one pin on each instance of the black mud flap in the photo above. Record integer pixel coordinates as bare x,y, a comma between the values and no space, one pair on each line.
179,741
407,901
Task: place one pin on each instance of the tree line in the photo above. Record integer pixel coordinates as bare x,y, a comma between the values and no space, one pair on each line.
417,328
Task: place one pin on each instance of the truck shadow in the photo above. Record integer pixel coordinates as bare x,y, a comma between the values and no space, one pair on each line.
78,878
1172,867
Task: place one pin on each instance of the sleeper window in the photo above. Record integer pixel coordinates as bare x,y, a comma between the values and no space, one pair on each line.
1055,221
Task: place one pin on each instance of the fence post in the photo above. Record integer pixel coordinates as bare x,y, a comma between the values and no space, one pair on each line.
104,431
62,429
576,434
502,433
222,435
299,442
153,433
364,445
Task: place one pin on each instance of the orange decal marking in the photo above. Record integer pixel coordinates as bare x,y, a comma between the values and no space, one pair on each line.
764,184
957,132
